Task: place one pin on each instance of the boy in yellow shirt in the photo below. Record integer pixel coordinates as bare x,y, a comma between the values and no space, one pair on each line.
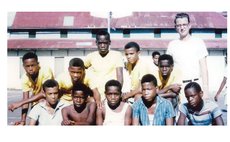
32,80
137,68
169,80
104,64
76,73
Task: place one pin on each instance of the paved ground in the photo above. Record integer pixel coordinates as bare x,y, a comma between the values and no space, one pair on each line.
15,95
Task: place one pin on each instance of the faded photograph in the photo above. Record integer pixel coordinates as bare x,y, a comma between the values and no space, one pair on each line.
117,68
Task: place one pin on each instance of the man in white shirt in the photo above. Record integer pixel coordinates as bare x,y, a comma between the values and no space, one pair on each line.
189,54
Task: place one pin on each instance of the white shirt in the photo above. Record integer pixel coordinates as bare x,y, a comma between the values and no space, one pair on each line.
187,54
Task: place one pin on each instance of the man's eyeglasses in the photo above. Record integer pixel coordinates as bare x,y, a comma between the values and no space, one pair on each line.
98,42
181,25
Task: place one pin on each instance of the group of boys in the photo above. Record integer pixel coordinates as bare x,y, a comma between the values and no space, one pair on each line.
95,97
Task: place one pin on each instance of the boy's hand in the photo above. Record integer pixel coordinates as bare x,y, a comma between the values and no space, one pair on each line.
14,106
18,123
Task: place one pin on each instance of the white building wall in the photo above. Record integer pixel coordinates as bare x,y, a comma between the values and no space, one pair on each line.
204,35
73,35
47,35
13,73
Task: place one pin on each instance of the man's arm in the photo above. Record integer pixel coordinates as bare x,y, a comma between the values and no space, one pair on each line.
128,116
204,75
220,88
119,73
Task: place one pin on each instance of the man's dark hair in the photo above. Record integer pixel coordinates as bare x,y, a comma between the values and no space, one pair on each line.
166,57
113,83
76,62
149,78
29,55
50,83
104,33
82,87
132,45
182,15
155,53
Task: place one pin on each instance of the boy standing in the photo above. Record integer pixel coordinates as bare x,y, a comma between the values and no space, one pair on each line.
105,64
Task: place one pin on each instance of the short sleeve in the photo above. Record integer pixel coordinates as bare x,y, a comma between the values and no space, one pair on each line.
34,113
170,110
26,85
183,109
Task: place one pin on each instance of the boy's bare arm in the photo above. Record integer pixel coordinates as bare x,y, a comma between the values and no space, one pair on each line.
119,72
26,100
99,117
24,110
181,119
97,98
128,116
219,120
65,117
92,113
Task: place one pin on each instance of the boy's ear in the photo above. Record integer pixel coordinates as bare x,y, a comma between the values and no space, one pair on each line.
157,89
201,94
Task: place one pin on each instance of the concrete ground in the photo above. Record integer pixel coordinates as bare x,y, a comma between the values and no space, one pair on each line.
16,95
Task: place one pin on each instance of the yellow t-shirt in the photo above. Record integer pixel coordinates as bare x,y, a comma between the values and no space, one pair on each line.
140,69
103,68
65,83
28,84
175,77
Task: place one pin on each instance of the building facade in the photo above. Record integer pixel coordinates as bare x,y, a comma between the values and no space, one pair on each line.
56,37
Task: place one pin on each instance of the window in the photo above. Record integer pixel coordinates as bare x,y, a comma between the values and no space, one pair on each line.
32,34
126,33
157,33
218,33
64,33
94,32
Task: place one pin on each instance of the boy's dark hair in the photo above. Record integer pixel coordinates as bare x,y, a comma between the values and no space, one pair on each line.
104,33
166,57
149,78
113,83
29,55
194,85
82,87
132,45
50,83
182,15
155,53
76,62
